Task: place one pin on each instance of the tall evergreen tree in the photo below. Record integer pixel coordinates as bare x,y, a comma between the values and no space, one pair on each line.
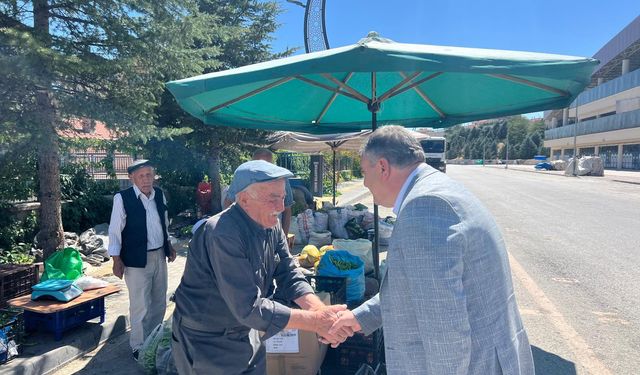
103,60
243,36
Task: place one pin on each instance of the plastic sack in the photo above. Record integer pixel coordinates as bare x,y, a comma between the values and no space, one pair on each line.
305,225
159,338
90,282
293,229
164,360
360,248
384,232
319,239
354,229
337,219
320,221
63,264
332,264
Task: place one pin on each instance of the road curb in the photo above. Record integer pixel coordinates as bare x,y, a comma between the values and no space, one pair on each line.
83,340
356,198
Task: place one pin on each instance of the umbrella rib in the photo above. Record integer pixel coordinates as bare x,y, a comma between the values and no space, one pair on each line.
389,92
249,94
333,98
329,88
344,86
527,82
422,94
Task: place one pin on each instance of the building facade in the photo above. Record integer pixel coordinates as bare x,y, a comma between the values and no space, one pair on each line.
604,120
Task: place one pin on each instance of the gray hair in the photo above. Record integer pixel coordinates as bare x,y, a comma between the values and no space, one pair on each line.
262,153
394,143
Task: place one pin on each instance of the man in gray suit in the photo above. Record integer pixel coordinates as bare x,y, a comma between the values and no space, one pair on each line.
446,298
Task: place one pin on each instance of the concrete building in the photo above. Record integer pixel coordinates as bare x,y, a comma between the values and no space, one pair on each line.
605,119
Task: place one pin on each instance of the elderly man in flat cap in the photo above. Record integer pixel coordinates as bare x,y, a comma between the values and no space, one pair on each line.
138,245
224,307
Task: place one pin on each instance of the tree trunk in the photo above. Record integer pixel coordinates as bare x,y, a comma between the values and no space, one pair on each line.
50,236
214,173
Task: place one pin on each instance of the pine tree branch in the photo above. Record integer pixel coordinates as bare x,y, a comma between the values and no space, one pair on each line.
9,22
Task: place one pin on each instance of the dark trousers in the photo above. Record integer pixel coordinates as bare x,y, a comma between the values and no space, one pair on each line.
234,352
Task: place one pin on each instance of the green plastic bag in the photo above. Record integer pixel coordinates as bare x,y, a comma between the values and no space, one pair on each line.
64,264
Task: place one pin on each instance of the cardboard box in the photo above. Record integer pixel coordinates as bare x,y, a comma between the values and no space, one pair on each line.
296,352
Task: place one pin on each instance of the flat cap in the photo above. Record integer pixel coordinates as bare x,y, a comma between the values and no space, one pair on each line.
138,164
255,171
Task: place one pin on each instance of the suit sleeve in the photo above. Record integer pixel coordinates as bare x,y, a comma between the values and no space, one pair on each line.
432,245
369,315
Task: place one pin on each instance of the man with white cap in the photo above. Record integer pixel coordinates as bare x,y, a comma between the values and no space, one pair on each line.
138,245
224,307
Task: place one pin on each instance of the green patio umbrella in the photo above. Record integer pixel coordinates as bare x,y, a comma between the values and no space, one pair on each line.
337,90
353,88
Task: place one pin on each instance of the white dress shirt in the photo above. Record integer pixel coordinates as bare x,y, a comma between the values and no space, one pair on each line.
155,239
405,186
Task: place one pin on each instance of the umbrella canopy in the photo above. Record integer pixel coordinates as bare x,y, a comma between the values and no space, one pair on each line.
352,88
314,143
310,143
335,91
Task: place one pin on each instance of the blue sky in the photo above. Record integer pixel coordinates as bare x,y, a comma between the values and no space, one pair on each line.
569,27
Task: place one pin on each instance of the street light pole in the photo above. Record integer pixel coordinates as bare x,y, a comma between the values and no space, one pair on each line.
575,141
506,164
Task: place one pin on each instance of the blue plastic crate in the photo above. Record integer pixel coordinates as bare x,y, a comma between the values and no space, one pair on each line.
61,321
11,326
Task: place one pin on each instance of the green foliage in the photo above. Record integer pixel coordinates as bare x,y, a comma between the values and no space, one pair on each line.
87,202
241,36
14,231
19,254
345,175
179,197
489,141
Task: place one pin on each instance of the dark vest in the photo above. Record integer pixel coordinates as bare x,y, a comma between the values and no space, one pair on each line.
134,235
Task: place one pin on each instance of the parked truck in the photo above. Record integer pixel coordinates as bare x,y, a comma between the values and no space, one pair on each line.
435,149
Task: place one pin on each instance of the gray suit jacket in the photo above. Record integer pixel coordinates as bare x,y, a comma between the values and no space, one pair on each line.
446,300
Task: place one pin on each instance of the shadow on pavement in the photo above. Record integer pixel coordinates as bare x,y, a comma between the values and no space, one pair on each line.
113,358
75,341
551,364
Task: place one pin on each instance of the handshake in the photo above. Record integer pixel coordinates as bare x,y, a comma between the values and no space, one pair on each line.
335,324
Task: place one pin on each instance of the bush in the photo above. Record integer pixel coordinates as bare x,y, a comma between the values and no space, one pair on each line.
345,175
179,198
15,234
87,202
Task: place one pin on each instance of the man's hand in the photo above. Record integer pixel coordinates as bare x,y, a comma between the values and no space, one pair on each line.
325,320
118,267
172,254
346,324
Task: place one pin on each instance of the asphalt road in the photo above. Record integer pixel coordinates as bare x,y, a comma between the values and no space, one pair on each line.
574,245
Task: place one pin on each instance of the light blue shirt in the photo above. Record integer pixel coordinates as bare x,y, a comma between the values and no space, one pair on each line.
405,186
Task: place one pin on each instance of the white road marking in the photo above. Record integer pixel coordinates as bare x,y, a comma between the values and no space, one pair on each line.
581,350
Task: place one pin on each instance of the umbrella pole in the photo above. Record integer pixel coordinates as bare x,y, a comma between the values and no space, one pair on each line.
375,247
334,175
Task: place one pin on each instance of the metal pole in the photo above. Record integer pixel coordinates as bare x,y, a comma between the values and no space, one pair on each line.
374,106
334,176
375,245
506,164
575,142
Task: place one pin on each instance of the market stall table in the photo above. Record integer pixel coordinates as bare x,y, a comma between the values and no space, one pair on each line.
58,317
